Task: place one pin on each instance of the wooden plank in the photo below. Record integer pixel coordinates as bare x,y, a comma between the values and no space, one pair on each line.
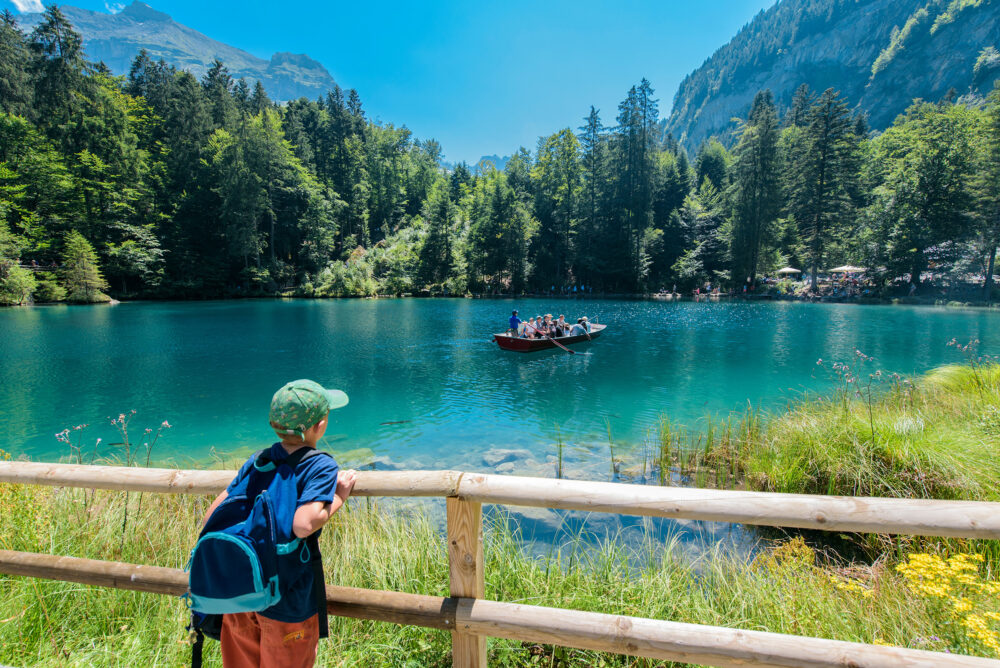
466,575
172,481
116,477
153,579
670,641
919,517
434,612
689,643
383,606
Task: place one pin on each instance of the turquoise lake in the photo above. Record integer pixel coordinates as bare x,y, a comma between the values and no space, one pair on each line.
428,387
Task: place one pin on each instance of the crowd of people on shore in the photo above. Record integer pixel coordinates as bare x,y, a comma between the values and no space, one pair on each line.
544,326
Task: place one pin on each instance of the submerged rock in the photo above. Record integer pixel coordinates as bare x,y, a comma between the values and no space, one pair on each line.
498,456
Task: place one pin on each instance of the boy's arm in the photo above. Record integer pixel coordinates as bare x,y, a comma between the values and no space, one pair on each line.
310,517
215,504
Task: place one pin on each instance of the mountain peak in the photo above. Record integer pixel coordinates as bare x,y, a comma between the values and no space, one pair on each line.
116,39
140,11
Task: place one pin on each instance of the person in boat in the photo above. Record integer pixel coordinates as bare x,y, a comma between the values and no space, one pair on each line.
534,328
550,325
561,325
581,327
515,322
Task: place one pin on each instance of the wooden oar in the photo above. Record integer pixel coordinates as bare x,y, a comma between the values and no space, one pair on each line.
571,352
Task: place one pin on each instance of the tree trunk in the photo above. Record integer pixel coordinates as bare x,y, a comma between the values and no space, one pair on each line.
271,216
988,280
919,262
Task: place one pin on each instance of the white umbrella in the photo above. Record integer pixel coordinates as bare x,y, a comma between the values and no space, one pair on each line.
789,270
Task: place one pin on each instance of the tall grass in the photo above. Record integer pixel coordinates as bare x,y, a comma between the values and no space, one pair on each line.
787,589
935,438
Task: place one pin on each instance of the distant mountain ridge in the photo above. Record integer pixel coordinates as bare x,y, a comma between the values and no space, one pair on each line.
117,38
881,54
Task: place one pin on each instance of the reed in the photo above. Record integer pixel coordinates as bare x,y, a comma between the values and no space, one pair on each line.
559,453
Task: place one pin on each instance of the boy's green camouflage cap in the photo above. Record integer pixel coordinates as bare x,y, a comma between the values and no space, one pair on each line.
302,403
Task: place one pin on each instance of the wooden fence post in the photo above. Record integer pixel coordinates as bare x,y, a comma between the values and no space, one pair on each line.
465,571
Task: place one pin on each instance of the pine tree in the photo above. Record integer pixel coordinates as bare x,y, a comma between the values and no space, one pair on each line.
712,162
458,182
755,191
823,174
57,68
801,102
557,175
15,87
81,275
988,187
218,86
592,226
258,99
437,257
635,141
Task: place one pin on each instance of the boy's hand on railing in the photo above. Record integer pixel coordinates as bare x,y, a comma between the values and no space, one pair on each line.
345,483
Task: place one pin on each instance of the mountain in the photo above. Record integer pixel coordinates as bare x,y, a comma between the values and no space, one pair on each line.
117,38
497,162
880,54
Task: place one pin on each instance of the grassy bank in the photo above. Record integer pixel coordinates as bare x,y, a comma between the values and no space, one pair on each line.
935,437
875,434
787,588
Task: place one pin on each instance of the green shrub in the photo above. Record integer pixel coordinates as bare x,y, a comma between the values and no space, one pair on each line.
17,286
49,290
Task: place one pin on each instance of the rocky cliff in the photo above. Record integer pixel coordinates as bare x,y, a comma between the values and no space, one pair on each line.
117,38
881,54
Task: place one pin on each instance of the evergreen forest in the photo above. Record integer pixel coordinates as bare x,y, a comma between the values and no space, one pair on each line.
158,185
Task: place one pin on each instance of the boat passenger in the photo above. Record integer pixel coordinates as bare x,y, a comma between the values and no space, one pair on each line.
515,322
550,327
529,328
582,326
561,325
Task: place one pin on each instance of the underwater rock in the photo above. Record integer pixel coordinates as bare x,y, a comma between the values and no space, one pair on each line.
498,456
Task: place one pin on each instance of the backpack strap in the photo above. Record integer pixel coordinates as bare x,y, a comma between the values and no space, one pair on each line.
312,542
202,625
319,585
196,648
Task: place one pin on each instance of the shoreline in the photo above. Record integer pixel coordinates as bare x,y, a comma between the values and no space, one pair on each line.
615,296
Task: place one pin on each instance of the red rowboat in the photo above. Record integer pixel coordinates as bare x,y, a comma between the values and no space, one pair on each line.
508,342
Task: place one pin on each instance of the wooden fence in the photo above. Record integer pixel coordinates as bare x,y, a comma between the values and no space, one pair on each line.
472,619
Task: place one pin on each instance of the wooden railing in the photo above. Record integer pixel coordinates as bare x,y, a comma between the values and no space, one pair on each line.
472,619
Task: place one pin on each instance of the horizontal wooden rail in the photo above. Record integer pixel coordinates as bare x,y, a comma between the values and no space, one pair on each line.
180,481
920,517
657,639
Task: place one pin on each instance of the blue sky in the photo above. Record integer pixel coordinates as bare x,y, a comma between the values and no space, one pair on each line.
480,77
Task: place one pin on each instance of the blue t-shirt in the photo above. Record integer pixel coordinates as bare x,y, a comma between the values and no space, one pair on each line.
315,480
514,322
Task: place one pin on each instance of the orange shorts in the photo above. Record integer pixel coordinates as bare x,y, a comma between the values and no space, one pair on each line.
252,641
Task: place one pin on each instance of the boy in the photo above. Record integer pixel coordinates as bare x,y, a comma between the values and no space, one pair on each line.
287,633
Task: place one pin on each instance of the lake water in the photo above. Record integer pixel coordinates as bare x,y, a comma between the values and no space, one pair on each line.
428,387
